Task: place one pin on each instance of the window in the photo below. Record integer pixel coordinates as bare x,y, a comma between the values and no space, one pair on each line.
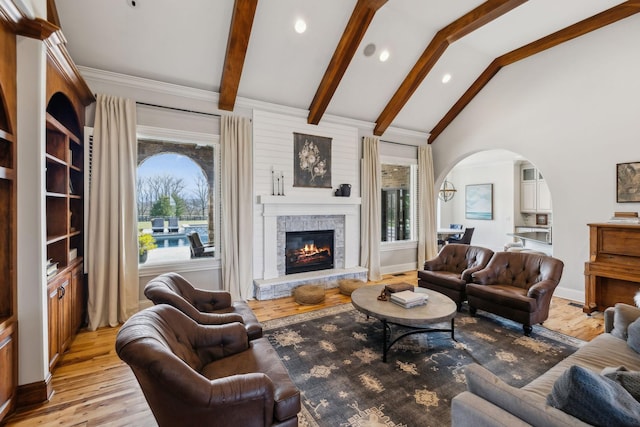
398,200
177,195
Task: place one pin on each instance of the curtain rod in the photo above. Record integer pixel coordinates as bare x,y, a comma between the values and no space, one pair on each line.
184,110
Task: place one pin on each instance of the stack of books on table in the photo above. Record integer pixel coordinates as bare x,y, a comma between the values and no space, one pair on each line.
408,299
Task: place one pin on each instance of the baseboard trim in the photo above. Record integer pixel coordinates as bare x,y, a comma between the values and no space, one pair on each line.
398,268
34,393
570,294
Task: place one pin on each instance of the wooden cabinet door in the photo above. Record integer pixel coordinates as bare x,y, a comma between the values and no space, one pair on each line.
66,314
8,370
544,197
77,279
528,196
53,315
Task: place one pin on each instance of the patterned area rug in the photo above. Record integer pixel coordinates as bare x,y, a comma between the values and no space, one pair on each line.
334,356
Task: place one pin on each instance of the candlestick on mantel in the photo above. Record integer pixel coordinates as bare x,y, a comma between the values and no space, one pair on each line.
282,175
278,186
273,183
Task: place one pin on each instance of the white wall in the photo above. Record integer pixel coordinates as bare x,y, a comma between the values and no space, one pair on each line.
573,111
488,233
273,149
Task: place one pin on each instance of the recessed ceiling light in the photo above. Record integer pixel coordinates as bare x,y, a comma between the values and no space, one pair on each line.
446,78
300,26
132,3
384,55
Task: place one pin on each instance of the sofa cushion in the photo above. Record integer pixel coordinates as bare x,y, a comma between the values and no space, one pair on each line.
523,404
602,351
594,398
624,315
633,335
504,295
630,380
443,278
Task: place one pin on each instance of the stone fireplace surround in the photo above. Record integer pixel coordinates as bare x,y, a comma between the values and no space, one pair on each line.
294,213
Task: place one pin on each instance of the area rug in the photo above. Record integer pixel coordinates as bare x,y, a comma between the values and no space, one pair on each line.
334,356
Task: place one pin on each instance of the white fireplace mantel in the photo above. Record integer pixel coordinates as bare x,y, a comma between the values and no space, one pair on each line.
275,206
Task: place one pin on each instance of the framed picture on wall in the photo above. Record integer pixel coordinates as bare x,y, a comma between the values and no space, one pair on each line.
478,202
628,182
311,161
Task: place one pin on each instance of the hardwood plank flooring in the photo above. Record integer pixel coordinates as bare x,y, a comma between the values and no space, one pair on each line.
93,387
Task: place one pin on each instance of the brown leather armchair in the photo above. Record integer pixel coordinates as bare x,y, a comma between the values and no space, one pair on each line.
205,307
516,285
197,375
450,271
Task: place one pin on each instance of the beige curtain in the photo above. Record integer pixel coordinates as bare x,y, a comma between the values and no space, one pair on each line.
237,206
112,252
427,231
370,234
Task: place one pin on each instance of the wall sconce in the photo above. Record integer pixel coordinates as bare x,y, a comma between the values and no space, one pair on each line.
447,191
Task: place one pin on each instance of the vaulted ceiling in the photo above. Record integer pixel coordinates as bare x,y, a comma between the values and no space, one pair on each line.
249,49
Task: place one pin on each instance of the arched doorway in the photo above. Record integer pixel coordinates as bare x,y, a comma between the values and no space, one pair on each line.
520,200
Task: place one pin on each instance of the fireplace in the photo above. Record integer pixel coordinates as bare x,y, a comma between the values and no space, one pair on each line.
308,251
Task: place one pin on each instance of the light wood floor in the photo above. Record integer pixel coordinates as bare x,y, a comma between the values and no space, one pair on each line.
94,388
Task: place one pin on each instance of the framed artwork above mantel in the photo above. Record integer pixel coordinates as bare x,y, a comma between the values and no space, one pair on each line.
311,161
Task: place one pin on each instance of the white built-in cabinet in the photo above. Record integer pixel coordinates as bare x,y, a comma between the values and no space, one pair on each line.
534,192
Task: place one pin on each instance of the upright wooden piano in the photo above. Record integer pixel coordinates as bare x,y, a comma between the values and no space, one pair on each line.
612,273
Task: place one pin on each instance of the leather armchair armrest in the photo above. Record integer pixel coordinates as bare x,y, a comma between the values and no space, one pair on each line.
216,300
538,290
486,276
467,274
247,388
433,264
218,318
214,342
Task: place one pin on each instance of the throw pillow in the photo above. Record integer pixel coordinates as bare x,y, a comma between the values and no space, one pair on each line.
623,315
633,336
630,380
594,399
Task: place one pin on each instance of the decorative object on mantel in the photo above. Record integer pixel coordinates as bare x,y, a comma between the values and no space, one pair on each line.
628,182
447,191
624,218
277,183
312,161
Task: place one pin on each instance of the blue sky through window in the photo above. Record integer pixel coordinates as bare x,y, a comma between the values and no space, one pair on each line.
177,165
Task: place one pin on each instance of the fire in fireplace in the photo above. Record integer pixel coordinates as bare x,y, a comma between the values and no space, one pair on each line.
308,251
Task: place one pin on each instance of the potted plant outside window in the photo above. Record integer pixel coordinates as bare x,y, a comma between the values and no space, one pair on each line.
146,242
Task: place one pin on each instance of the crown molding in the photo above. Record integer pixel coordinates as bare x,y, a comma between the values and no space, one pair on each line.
242,105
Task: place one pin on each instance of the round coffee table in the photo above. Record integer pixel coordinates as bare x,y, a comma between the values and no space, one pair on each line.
439,308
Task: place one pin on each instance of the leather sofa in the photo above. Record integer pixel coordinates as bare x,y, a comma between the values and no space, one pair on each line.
517,286
203,306
196,375
450,271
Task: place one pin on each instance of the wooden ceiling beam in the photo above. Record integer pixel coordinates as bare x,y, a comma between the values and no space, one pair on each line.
361,17
239,33
481,15
602,19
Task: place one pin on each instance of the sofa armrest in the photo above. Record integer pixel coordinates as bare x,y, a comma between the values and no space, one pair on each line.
470,410
608,319
528,406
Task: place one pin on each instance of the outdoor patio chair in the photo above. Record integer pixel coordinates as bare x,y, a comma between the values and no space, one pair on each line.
198,249
173,225
157,225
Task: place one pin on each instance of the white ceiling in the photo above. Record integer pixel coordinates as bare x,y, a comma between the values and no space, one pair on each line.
184,42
